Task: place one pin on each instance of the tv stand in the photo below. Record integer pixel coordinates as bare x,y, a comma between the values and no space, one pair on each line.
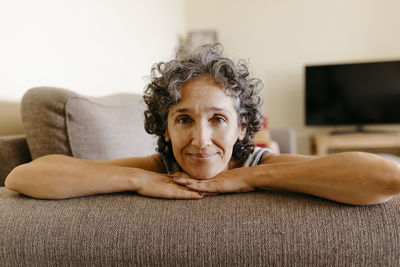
359,129
382,142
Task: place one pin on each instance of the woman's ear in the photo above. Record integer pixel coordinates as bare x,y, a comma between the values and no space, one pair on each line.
166,136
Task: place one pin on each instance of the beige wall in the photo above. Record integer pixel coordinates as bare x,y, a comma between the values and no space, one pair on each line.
10,118
92,47
280,37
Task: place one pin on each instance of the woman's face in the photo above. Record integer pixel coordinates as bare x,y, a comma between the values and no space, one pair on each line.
203,127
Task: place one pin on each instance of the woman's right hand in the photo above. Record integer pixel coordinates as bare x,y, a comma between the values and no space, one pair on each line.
160,185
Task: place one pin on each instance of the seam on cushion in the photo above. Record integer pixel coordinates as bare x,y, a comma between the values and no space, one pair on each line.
67,124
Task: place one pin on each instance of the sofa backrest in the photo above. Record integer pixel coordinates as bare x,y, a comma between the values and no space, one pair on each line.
59,121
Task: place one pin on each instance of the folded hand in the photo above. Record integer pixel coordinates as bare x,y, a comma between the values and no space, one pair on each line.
228,181
163,186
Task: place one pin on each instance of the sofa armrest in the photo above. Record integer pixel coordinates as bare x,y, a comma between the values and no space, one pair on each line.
14,151
286,139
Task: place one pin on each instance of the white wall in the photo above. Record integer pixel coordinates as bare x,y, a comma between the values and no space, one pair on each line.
280,37
94,47
104,46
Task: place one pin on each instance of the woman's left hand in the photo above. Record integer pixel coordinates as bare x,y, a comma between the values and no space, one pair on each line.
233,180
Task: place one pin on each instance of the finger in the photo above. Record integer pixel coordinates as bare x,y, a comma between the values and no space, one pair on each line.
210,194
205,186
189,194
181,182
219,185
182,192
179,174
184,181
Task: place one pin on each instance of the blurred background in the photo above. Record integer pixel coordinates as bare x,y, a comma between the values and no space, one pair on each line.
106,46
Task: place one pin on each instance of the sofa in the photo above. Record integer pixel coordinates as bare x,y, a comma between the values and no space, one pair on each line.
260,228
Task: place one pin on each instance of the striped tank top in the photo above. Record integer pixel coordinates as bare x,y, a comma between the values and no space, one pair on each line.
256,156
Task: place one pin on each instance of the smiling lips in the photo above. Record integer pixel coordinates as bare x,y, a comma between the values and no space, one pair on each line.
201,156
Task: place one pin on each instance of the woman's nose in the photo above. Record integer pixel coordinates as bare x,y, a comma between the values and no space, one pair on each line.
201,135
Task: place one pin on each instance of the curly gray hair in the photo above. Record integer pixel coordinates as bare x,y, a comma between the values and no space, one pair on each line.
167,78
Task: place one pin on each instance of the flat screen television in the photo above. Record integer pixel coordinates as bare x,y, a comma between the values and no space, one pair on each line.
352,94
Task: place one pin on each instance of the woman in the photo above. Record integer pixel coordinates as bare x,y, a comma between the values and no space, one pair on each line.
205,111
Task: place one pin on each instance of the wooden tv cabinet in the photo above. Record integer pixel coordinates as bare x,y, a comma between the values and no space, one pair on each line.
368,142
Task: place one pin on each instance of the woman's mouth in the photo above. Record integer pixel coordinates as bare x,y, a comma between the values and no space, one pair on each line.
201,156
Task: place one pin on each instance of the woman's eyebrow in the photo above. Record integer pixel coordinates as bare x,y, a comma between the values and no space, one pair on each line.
188,110
181,110
218,110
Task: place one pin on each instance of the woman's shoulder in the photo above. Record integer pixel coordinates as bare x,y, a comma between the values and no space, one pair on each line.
256,156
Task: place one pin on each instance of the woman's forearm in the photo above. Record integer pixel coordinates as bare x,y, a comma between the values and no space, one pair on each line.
352,177
56,176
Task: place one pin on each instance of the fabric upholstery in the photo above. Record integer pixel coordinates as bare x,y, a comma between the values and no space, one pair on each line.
249,229
13,152
108,127
59,121
43,117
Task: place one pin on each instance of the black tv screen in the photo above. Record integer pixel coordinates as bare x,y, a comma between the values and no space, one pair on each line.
353,94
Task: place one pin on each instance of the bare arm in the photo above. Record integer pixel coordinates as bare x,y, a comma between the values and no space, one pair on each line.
351,177
151,163
270,158
57,176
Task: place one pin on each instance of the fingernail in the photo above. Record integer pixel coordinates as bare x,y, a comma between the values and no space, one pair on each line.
177,178
188,183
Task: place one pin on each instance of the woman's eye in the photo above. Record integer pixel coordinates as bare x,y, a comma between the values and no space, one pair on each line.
218,120
183,120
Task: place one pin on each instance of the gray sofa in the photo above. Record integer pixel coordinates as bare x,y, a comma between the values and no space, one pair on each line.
262,228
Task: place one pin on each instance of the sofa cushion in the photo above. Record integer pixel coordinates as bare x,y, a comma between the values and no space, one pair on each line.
249,229
59,121
14,151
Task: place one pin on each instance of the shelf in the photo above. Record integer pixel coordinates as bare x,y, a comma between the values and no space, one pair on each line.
321,144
